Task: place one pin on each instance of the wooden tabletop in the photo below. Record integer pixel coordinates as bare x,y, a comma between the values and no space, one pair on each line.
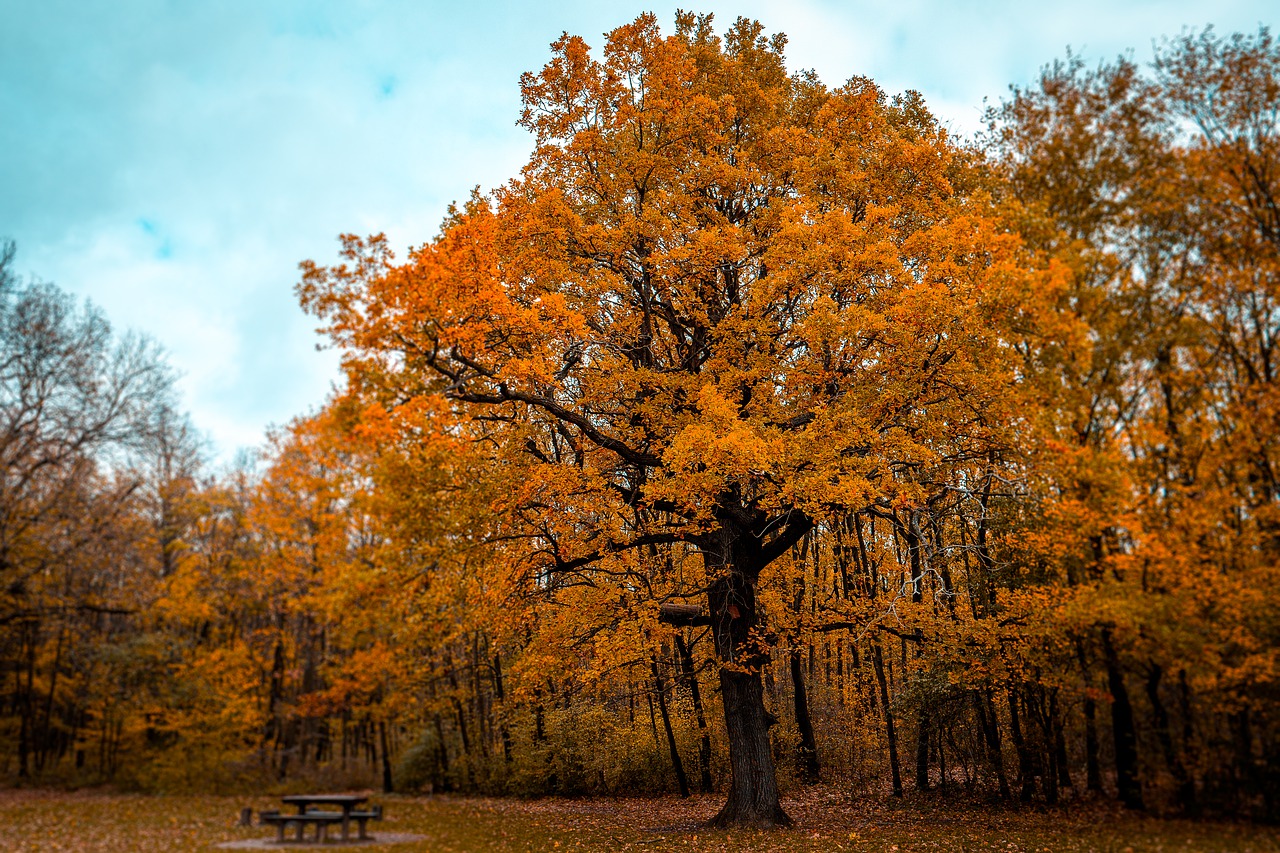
332,799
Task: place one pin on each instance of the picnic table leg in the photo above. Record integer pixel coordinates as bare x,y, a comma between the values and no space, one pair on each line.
346,822
280,832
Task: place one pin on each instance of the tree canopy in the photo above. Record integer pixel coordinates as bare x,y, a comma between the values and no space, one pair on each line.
764,406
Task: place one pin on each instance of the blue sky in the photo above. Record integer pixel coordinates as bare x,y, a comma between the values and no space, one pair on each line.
174,161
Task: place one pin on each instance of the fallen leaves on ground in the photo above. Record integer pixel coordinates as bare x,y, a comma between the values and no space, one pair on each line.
826,820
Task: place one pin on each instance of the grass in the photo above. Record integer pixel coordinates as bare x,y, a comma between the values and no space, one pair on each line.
826,821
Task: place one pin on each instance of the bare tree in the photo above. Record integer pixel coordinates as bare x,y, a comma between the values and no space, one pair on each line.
79,405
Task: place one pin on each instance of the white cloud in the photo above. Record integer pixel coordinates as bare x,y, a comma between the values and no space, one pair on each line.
174,162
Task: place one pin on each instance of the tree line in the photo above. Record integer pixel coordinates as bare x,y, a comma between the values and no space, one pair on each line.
759,433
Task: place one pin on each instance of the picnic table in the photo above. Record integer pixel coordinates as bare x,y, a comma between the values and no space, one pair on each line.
322,820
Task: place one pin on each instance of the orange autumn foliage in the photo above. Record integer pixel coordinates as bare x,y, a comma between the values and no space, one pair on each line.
757,433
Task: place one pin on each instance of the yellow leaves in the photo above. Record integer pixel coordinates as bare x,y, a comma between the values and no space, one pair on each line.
721,445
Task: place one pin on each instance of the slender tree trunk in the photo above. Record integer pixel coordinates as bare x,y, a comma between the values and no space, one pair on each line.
704,740
1093,768
1047,756
461,717
1188,730
346,737
1186,787
483,731
1242,740
986,563
922,749
682,781
1122,725
26,724
387,786
1026,769
442,755
460,714
942,758
1059,741
1092,764
991,734
807,749
42,739
274,731
500,693
877,659
539,722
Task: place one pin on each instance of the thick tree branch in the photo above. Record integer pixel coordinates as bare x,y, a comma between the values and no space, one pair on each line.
798,524
683,615
617,548
506,395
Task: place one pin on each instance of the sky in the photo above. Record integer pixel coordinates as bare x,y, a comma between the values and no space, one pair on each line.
173,161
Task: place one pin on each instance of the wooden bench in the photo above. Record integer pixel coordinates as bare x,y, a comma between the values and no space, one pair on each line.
361,818
320,820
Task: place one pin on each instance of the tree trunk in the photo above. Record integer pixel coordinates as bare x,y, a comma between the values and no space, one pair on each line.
1242,739
42,739
1126,736
275,696
731,598
704,741
387,786
1059,741
877,659
1026,769
753,790
676,763
25,732
501,695
922,749
442,756
1093,768
807,749
991,734
1186,787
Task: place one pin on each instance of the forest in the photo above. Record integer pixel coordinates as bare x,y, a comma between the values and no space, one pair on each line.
758,434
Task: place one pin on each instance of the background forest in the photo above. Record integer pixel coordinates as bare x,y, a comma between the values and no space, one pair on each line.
1001,416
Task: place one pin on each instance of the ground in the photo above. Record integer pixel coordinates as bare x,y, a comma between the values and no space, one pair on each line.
826,821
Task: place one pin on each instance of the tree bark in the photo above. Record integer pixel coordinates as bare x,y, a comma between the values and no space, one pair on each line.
731,597
1186,786
500,693
25,732
991,734
387,786
753,790
442,756
1026,769
1093,769
1057,727
676,763
734,556
704,741
922,749
807,749
877,659
1122,725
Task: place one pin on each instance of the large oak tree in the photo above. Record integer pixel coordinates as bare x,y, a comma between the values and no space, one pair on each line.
721,306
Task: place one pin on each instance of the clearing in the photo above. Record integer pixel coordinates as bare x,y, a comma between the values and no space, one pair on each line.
826,820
